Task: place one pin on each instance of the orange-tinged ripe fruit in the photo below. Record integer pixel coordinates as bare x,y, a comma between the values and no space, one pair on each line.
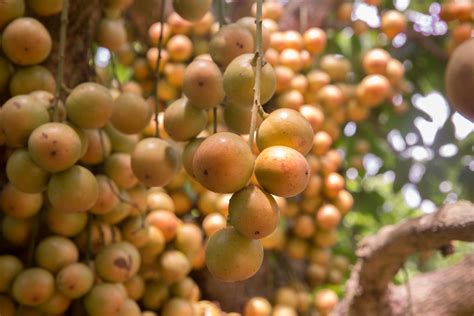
45,7
231,41
25,41
10,266
181,113
55,146
21,163
257,306
253,212
105,299
203,84
30,79
33,287
393,22
285,127
111,34
55,252
155,161
11,9
231,257
131,113
314,40
117,262
375,61
282,171
223,163
239,80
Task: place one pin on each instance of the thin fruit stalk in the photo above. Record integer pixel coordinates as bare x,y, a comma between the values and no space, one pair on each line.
157,73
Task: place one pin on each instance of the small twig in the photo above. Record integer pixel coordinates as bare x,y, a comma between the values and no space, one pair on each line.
408,288
221,10
258,73
214,119
66,88
33,240
304,17
113,64
62,57
157,70
89,238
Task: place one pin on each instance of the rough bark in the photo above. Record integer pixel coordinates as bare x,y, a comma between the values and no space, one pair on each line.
83,18
369,290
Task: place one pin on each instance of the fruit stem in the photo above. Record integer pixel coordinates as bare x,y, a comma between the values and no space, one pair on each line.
113,64
220,8
214,120
62,57
257,106
89,238
157,70
34,239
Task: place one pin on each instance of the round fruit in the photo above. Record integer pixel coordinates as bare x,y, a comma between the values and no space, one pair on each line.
55,305
29,79
174,266
325,301
155,162
25,41
19,116
55,252
179,47
7,306
178,306
231,41
118,168
89,105
17,231
373,90
239,80
156,294
111,34
73,190
45,7
181,113
375,61
188,154
282,171
33,287
285,127
232,257
18,204
213,222
117,262
250,24
98,146
192,10
11,9
328,217
188,239
165,221
257,306
223,163
253,212
459,79
237,117
10,266
314,40
65,224
105,299
135,287
74,280
131,114
55,146
130,308
203,85
108,196
393,22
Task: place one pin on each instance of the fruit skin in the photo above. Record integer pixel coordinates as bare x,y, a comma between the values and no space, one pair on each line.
55,252
21,163
73,190
111,34
231,41
54,146
459,79
19,116
203,84
89,105
192,10
237,117
182,121
231,257
30,79
45,7
131,113
155,162
223,163
117,262
188,154
253,212
19,46
239,80
10,266
75,280
11,9
285,127
282,171
105,299
33,287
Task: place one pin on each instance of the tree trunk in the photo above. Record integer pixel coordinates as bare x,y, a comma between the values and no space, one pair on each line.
369,290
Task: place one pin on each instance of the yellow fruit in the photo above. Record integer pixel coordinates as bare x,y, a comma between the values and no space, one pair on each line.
29,79
18,204
131,113
11,9
239,80
231,257
45,7
33,287
192,10
231,41
181,113
117,262
10,266
105,299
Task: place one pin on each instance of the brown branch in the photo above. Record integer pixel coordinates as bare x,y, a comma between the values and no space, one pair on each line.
381,256
428,44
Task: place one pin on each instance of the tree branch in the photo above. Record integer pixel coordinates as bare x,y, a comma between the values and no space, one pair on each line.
382,255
